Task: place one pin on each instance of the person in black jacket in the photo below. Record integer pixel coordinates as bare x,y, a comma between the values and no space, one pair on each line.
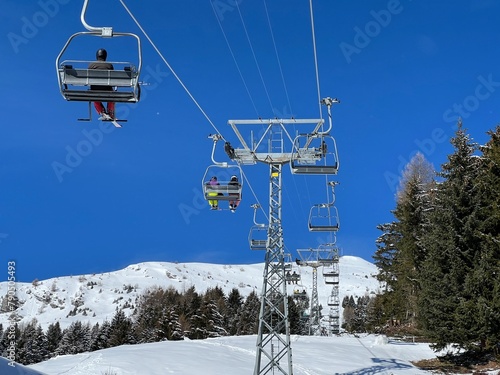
235,185
109,112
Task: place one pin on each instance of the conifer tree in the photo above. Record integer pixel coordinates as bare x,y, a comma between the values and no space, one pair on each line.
54,336
248,321
234,305
481,285
213,320
297,324
400,252
452,246
169,327
120,332
188,315
76,339
413,203
101,339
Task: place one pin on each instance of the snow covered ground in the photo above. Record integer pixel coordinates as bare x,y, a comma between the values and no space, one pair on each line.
312,355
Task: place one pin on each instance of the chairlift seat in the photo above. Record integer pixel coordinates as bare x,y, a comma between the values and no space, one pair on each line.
323,218
313,169
257,237
258,244
223,192
323,228
72,80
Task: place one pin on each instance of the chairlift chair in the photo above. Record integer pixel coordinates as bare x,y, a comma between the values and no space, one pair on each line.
323,218
224,191
259,233
331,274
75,79
257,237
314,155
333,299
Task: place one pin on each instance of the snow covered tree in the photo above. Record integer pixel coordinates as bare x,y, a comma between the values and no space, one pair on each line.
100,336
211,311
34,347
76,339
54,336
120,331
190,320
169,327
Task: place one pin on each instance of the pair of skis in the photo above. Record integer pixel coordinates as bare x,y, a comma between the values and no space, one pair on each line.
107,118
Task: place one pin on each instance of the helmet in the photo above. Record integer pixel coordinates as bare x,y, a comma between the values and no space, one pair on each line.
101,54
214,178
234,178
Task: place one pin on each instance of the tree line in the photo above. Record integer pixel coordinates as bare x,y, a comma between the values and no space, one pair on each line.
160,314
439,259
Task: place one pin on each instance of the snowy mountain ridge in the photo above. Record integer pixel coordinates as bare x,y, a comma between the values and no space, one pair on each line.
95,298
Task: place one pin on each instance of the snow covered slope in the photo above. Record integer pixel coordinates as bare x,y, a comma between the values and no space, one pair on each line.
95,298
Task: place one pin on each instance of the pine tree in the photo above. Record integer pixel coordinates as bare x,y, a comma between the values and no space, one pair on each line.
248,321
400,252
348,306
213,320
76,339
189,318
482,283
120,332
100,339
37,351
297,324
54,336
169,327
234,305
413,203
452,246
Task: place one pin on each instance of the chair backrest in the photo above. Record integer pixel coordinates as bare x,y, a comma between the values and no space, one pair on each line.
98,77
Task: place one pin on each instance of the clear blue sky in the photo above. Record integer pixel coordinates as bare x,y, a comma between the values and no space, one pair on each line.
403,70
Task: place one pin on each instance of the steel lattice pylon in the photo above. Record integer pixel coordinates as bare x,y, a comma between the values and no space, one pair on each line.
273,349
273,340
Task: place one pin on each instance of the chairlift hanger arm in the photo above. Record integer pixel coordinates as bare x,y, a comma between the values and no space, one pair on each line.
104,31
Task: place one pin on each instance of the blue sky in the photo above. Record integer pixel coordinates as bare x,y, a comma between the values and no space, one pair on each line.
404,72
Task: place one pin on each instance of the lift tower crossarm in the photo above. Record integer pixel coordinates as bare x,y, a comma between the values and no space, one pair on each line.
250,153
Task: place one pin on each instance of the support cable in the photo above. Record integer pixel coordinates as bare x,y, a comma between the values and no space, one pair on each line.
315,58
182,84
171,69
277,58
234,59
254,57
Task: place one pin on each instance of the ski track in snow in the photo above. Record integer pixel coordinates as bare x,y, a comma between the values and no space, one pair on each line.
86,366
